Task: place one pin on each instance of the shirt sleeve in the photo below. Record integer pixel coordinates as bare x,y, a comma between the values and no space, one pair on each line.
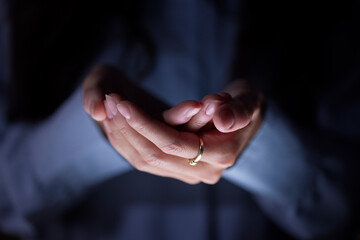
49,164
294,182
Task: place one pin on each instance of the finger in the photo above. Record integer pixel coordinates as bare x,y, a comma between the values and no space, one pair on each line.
221,150
181,113
93,104
169,140
110,104
232,116
93,97
118,132
210,103
153,160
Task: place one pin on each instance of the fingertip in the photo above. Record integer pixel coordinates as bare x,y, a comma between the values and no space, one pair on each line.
229,119
188,107
87,103
194,104
99,112
181,113
224,120
109,113
117,98
90,100
194,108
124,109
213,101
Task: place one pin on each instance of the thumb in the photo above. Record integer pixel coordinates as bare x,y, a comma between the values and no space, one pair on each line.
232,116
93,104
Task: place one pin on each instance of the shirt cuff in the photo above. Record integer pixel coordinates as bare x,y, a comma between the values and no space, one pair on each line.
274,163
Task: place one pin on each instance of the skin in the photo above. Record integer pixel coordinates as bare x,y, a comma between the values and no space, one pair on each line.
162,144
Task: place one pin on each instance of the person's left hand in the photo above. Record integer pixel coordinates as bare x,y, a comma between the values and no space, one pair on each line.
157,148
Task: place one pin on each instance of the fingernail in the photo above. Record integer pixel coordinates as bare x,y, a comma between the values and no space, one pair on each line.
192,112
107,108
112,104
124,110
107,127
92,106
227,118
210,109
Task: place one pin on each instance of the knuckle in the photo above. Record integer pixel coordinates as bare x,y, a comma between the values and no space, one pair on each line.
153,160
141,166
226,161
227,152
211,181
192,181
212,178
172,148
120,131
138,125
235,146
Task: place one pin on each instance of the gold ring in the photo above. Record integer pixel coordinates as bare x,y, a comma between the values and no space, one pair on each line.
195,160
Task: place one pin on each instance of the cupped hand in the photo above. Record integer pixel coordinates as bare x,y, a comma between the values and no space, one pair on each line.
225,121
155,147
149,144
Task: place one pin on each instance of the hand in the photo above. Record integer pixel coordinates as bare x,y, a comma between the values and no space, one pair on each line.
154,147
228,111
141,152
